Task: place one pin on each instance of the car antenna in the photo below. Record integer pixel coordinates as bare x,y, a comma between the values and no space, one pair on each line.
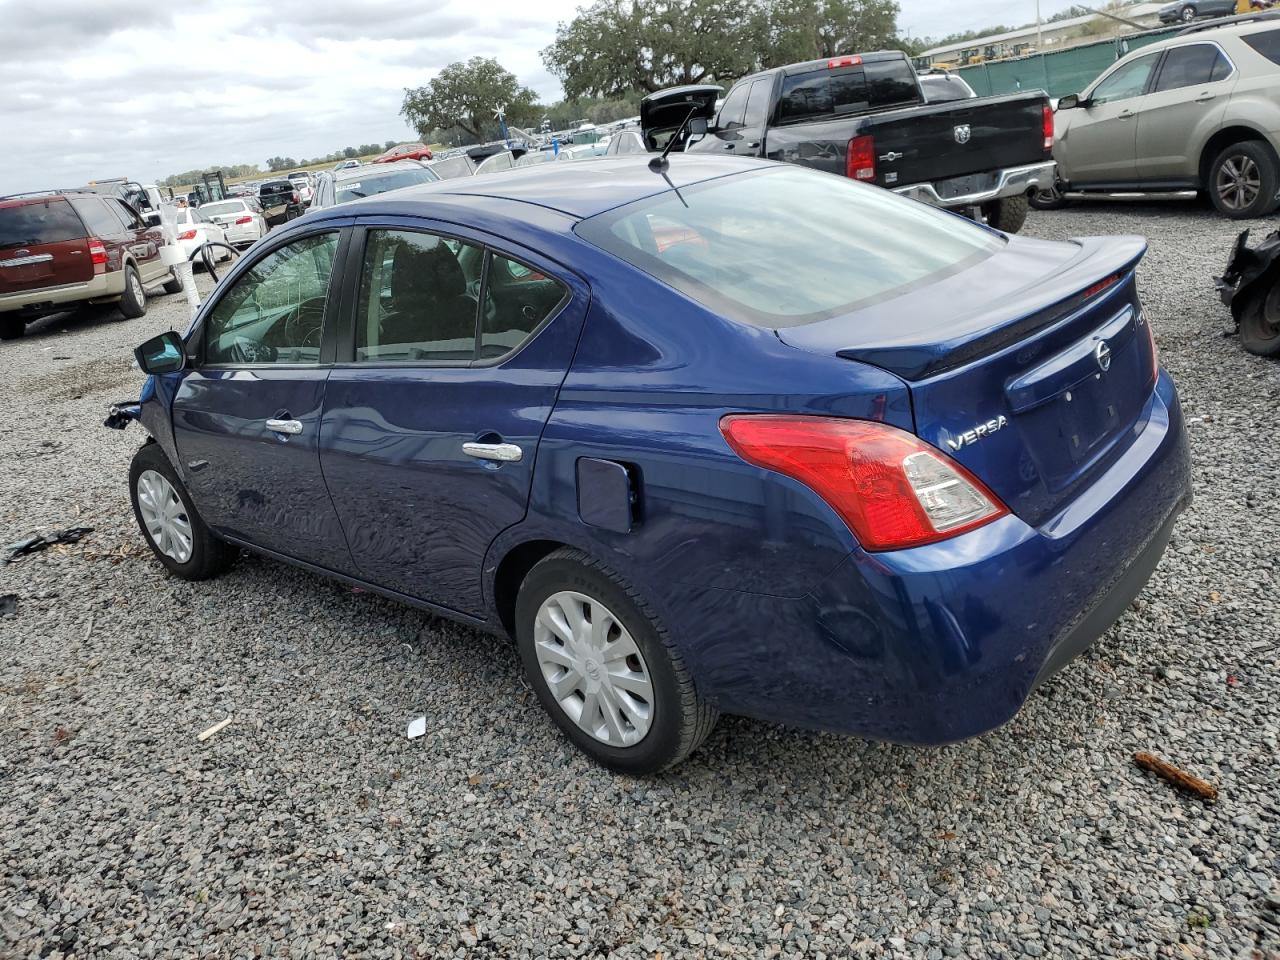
659,163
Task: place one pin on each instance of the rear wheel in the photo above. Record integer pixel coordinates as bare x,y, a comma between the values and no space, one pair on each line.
605,669
1187,13
169,521
133,302
1007,214
1243,180
1260,322
12,326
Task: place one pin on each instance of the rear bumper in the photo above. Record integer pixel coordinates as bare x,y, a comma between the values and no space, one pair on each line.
1013,182
43,300
945,642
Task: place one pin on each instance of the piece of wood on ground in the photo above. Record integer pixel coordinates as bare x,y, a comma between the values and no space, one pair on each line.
213,730
1179,778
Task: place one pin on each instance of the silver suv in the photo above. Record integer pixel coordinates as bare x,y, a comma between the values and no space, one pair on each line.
1199,111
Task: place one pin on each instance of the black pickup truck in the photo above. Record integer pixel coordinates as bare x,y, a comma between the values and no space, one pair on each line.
865,117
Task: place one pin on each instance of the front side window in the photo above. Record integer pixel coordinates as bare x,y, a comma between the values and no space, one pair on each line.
128,218
734,110
758,102
275,311
750,247
1129,81
1191,66
417,298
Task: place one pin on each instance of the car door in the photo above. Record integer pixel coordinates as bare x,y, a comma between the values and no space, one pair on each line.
1185,106
142,241
453,360
246,418
728,131
1101,140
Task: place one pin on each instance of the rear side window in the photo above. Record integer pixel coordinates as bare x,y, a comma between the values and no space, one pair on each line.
517,301
805,96
1267,44
97,217
749,246
1192,65
43,221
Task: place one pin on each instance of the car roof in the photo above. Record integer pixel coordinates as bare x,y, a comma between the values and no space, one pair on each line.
580,189
1208,32
367,171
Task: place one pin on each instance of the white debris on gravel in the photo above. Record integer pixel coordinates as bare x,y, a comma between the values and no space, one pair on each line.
311,827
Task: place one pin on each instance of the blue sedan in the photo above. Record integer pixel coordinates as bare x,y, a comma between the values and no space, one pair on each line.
725,437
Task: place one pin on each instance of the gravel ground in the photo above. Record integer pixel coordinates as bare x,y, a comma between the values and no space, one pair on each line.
311,827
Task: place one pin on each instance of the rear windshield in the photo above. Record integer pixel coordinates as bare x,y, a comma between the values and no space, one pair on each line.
825,93
1267,44
784,247
452,167
42,221
371,184
280,186
223,207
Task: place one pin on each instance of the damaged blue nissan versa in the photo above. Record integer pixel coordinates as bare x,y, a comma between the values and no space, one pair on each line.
703,435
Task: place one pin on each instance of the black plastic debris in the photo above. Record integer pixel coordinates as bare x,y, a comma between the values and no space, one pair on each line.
37,542
8,604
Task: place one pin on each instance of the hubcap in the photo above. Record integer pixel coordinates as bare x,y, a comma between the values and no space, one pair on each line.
135,285
164,516
1238,182
593,668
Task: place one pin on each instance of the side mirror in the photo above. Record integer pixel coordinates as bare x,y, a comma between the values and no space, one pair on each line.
1069,102
152,219
697,126
163,354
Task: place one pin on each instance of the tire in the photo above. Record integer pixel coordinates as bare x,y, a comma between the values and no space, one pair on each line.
667,718
12,326
1007,214
133,302
1260,322
173,285
1187,13
1239,169
204,556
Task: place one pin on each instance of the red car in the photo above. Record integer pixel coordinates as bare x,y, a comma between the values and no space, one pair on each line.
60,250
404,151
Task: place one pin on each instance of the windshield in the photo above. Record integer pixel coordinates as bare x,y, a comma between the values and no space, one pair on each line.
225,207
779,248
371,184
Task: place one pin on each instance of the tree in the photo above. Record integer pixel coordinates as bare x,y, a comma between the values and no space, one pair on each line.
389,144
465,95
367,148
800,30
276,164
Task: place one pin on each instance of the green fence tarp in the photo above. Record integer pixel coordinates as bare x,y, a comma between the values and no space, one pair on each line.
1060,72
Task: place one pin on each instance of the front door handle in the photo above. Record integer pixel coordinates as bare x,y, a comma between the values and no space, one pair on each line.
291,427
1125,114
729,145
503,452
1205,97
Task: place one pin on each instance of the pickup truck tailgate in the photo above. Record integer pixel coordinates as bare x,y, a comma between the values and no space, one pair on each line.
958,138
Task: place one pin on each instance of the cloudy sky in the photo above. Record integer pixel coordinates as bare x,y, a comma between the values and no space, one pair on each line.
101,88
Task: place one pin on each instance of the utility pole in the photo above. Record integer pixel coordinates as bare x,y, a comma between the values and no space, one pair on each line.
1039,30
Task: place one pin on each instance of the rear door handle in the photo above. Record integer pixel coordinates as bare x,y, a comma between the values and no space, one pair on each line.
1205,97
1125,114
291,427
503,452
753,145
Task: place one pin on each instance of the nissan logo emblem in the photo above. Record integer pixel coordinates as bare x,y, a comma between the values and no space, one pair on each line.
1102,353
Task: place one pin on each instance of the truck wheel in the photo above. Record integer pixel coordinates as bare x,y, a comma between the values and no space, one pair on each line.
1260,322
173,285
1243,180
133,302
1007,214
12,327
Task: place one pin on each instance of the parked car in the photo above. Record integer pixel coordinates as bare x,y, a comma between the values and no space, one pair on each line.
699,450
404,151
1199,111
446,168
281,201
346,164
195,229
344,186
943,87
305,184
59,250
495,163
240,219
865,116
1185,11
626,142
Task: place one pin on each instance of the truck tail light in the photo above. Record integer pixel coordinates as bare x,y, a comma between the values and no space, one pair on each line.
836,63
860,160
297,197
892,489
97,253
187,235
1047,124
240,220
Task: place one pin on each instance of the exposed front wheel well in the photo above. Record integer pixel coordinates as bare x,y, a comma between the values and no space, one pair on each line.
1219,142
515,566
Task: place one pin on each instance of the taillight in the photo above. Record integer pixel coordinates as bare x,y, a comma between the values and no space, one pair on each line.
836,62
1151,341
187,235
97,252
297,197
240,220
892,489
1046,119
860,161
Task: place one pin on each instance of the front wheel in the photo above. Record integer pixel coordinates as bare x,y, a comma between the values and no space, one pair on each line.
605,669
174,283
169,521
1260,323
1243,180
1187,13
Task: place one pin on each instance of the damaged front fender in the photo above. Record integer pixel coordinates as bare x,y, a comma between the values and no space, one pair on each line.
1251,288
120,414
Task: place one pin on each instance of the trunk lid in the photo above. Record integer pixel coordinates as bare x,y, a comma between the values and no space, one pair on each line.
962,138
1034,388
42,244
665,110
